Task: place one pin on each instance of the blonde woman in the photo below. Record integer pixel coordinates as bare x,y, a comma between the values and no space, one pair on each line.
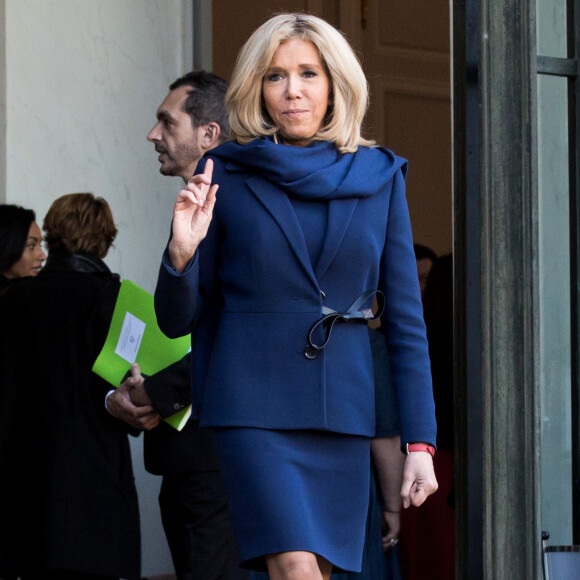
274,277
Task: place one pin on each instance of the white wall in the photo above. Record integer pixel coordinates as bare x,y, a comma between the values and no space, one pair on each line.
82,80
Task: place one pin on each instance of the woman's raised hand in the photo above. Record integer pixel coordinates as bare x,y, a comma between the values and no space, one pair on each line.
192,215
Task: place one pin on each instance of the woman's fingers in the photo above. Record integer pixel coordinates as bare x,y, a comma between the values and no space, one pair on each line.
188,197
199,179
202,179
208,169
198,187
211,197
198,182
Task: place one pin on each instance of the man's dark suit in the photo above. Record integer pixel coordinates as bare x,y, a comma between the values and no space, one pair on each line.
193,500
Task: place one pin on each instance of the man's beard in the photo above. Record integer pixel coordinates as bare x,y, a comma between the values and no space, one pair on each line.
167,169
175,164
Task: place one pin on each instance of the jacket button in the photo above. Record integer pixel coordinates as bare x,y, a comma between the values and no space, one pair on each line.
311,352
177,406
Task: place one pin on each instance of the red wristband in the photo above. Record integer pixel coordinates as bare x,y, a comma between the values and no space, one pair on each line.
411,447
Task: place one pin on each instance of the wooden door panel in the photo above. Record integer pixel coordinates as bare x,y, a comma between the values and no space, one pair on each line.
406,57
418,128
234,21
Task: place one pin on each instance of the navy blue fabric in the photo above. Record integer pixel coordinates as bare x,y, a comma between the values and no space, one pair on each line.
250,293
313,218
387,407
318,171
296,490
376,563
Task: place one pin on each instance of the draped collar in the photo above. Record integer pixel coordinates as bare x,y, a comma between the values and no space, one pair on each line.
317,171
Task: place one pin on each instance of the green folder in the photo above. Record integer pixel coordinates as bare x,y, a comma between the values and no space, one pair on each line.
135,337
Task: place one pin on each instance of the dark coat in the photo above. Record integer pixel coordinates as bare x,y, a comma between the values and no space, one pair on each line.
67,493
250,294
5,283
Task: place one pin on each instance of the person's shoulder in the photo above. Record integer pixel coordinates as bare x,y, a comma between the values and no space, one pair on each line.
380,162
217,155
19,300
230,152
381,155
14,289
91,291
228,162
104,283
88,285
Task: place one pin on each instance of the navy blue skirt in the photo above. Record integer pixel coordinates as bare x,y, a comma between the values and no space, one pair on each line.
296,490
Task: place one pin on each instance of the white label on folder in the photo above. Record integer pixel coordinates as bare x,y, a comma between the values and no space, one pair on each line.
130,338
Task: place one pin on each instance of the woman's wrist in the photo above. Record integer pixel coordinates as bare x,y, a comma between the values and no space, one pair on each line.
179,257
420,447
392,504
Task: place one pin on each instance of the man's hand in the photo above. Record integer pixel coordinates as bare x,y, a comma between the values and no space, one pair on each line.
136,383
120,403
419,480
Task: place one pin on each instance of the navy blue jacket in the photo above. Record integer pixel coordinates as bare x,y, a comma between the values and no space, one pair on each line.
250,294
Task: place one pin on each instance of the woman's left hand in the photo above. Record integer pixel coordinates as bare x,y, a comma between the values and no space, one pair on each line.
391,529
419,480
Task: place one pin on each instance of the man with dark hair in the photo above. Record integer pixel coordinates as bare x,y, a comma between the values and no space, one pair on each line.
191,120
205,104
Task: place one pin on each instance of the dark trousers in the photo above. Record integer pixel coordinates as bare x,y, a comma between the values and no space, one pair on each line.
198,527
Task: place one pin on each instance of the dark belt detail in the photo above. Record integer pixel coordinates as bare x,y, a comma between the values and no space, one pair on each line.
354,314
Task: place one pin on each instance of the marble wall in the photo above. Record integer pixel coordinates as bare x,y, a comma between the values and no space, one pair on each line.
80,82
83,82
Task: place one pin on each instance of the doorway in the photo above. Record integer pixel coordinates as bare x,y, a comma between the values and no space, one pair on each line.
405,52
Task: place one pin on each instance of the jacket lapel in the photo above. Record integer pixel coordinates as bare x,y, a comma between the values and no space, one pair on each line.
340,213
279,206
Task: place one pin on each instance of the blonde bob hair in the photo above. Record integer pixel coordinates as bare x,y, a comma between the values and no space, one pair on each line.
348,100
